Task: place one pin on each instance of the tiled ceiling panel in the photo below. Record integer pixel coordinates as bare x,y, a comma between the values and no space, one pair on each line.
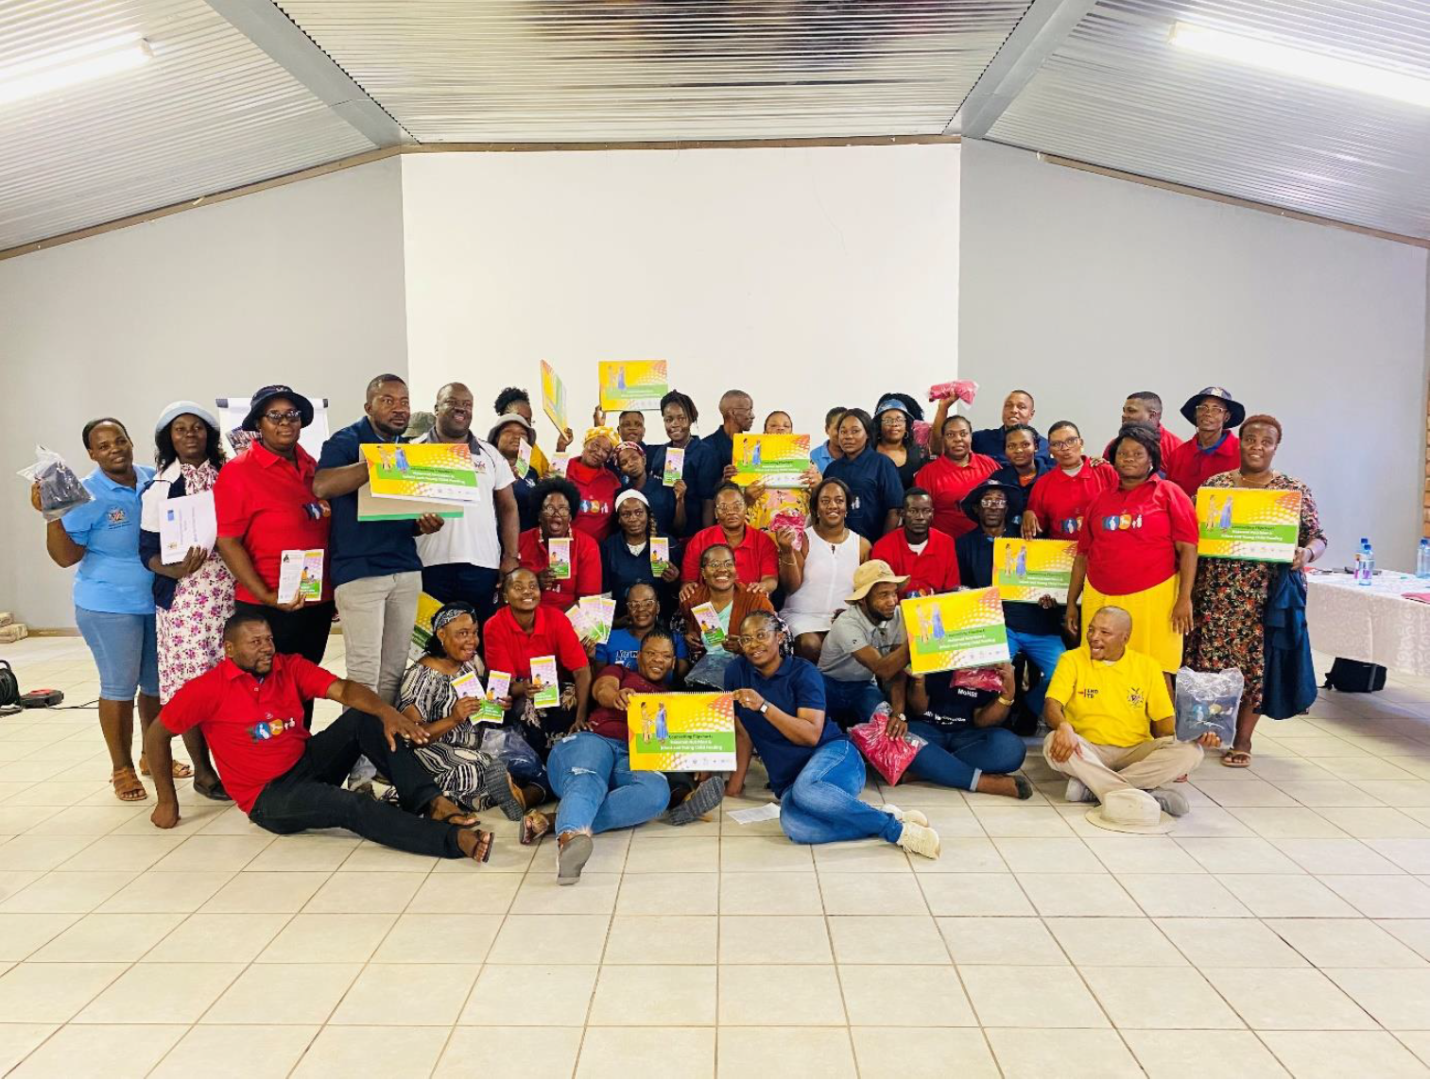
628,70
1118,94
208,112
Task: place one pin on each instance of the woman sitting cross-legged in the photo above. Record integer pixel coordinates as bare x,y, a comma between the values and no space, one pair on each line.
430,696
815,771
591,770
967,748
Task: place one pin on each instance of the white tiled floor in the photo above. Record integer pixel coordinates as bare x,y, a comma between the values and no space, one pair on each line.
1282,929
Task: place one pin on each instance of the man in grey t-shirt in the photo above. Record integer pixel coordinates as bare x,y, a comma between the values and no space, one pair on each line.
866,647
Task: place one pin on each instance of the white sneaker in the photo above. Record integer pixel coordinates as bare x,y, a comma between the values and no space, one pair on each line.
916,816
1078,792
921,840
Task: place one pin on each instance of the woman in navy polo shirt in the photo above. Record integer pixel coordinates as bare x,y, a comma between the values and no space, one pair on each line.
113,594
625,555
877,493
815,771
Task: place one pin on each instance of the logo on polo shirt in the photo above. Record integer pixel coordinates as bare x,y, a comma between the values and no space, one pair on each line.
595,506
1089,693
116,517
1135,697
1114,522
1071,525
271,729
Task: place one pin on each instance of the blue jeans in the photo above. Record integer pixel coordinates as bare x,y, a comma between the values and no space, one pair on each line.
1043,650
957,756
850,703
598,790
823,804
125,650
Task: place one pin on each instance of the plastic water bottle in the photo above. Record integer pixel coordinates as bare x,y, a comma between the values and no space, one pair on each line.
1365,562
1422,558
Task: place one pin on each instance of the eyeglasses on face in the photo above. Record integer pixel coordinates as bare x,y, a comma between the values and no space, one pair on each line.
759,637
725,564
1211,406
1065,444
290,416
993,500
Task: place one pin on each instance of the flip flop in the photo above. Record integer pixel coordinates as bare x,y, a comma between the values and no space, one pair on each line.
1236,759
485,842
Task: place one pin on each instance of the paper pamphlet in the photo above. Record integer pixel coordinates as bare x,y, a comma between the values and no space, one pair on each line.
709,619
659,554
498,687
300,573
558,557
186,522
543,670
681,732
423,471
553,397
468,685
674,465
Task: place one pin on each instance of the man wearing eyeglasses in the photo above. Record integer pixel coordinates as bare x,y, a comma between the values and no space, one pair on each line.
376,571
1214,449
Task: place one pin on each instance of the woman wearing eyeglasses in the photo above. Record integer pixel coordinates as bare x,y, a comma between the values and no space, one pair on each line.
1060,497
265,506
720,597
814,770
624,644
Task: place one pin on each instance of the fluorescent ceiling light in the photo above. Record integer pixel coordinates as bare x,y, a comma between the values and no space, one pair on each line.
1302,64
71,66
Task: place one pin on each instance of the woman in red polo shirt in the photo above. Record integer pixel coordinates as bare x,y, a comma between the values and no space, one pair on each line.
1138,551
1058,502
950,477
557,501
597,485
756,558
265,505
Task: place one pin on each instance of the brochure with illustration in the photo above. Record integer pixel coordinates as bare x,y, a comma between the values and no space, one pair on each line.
553,397
523,459
558,556
632,384
498,687
659,555
468,685
421,471
955,630
709,619
597,612
777,461
681,732
1248,523
543,672
300,573
674,465
1027,570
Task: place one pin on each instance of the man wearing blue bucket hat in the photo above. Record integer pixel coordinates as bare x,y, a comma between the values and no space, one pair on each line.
1214,449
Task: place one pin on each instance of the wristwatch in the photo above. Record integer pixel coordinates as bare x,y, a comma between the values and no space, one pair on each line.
764,707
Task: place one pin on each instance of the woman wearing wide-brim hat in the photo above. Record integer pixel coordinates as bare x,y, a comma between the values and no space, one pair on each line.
1214,448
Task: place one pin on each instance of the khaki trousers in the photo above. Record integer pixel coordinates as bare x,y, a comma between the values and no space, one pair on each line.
1146,765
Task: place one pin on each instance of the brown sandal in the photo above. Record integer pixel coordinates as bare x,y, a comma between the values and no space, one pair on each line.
534,826
179,770
482,852
127,787
451,813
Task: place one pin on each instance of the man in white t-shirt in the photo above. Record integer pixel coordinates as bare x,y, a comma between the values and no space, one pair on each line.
466,560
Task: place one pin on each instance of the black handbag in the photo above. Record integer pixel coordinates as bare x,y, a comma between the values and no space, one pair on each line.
1355,676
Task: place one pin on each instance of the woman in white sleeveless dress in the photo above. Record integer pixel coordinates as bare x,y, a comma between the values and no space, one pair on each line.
817,567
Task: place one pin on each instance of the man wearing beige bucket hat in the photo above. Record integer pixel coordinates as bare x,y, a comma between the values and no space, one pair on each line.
866,649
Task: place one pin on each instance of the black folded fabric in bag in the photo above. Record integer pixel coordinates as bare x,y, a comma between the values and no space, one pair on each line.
1355,676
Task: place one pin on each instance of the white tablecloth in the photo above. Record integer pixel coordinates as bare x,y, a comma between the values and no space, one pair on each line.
1373,622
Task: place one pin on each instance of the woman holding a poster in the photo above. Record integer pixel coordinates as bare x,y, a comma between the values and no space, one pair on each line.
1229,599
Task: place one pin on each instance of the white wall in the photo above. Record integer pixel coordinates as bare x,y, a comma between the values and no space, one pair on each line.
301,284
808,277
1083,288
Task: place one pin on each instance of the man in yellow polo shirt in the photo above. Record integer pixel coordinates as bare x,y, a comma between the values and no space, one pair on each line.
1113,724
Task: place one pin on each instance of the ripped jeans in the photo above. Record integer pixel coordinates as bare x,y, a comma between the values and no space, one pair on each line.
592,776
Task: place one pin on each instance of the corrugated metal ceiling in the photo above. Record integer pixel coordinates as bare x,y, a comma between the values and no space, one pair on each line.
1118,94
209,112
619,70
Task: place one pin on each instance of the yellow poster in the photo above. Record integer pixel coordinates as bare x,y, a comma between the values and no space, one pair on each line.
682,732
553,396
420,471
427,606
1027,570
1248,523
632,384
778,461
955,630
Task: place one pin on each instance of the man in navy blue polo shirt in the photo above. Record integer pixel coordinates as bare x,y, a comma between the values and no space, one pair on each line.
737,416
1018,409
376,571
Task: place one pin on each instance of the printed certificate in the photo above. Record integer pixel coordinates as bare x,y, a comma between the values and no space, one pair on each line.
955,630
682,732
1248,523
188,521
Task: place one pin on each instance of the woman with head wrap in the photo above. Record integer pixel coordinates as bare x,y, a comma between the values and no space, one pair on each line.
596,483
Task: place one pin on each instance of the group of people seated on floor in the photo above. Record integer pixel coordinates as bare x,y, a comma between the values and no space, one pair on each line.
787,599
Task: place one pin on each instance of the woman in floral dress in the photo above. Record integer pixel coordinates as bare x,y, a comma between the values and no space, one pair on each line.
1229,599
193,596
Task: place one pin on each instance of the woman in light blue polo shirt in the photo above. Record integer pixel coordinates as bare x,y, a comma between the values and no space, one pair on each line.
113,593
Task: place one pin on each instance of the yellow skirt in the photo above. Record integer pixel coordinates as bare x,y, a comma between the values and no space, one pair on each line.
1151,611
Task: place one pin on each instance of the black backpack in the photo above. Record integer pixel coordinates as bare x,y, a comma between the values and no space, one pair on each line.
1355,676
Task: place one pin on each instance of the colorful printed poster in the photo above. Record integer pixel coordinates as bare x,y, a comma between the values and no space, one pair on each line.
553,397
711,631
659,554
674,465
547,679
632,384
778,461
427,606
597,613
558,557
300,573
682,732
421,471
955,630
1027,570
1248,523
372,508
498,687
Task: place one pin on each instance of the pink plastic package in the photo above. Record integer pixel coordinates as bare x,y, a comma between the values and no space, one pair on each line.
890,757
979,678
965,390
921,432
790,519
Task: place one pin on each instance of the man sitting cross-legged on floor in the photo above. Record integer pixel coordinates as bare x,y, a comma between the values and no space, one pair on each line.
1112,720
250,710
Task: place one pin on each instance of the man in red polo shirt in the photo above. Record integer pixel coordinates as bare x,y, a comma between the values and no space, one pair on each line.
250,710
918,551
1059,499
1214,449
1145,407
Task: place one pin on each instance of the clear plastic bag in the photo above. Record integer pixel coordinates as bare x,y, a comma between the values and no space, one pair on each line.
507,746
60,488
1208,701
890,757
